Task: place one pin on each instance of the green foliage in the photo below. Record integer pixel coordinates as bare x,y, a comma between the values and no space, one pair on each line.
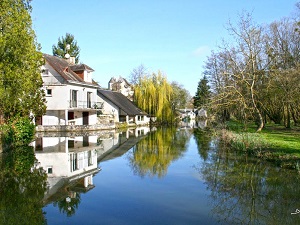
202,96
60,49
22,188
18,132
20,79
180,96
153,94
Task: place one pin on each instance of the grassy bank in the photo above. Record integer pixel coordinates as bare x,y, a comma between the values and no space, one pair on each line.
275,143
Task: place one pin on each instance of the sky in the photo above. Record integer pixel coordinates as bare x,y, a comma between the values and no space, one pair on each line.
173,36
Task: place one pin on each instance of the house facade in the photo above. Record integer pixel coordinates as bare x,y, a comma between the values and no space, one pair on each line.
71,95
187,113
122,109
121,85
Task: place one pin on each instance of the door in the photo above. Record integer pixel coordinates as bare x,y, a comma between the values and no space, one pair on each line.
85,118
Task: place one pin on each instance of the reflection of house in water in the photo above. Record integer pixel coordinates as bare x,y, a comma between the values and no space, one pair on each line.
67,160
71,161
120,143
202,124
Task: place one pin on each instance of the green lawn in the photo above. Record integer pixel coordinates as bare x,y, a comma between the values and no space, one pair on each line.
280,141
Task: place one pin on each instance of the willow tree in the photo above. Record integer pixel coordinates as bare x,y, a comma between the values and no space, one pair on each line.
20,79
153,94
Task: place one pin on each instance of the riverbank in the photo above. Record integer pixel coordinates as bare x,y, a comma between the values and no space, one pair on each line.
275,143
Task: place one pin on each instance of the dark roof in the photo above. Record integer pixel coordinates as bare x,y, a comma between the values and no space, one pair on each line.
122,102
64,68
80,67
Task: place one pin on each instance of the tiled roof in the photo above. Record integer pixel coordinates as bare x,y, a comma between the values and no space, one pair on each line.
64,68
122,102
79,67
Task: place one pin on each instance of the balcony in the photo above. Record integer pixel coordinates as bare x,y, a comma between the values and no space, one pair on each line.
85,105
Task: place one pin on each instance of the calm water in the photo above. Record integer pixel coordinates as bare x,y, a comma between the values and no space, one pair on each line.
166,176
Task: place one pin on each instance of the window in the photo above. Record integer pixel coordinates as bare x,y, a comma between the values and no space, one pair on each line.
89,100
73,162
73,97
48,92
71,143
49,170
85,142
90,158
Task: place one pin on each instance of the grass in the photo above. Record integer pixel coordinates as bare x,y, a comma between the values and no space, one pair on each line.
282,140
274,143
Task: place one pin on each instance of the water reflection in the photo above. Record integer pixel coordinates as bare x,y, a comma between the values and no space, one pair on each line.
153,155
70,161
248,191
22,188
203,140
190,124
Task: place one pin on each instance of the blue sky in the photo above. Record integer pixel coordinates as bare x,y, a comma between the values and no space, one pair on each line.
174,36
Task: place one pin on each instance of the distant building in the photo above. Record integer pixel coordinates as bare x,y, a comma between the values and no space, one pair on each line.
121,85
187,113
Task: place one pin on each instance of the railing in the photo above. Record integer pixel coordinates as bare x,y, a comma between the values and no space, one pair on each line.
85,104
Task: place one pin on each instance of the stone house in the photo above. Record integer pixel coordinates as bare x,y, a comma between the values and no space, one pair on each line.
121,85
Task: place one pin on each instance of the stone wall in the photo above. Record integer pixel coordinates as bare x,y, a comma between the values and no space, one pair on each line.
74,128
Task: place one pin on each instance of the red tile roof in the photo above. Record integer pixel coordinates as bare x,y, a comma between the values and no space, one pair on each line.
66,69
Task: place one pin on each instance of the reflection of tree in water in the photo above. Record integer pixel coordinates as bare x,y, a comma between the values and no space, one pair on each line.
152,155
69,204
247,191
22,188
203,140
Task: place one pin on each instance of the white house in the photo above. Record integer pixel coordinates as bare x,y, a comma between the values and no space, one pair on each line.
71,95
187,113
122,109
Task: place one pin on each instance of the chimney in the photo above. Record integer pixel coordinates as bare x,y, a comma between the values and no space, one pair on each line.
71,60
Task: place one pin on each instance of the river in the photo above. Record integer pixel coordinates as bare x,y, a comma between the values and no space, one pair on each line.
142,176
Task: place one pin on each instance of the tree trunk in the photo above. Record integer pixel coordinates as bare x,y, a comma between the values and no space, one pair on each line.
288,122
260,117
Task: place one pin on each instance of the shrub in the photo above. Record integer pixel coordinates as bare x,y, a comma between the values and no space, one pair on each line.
17,132
247,142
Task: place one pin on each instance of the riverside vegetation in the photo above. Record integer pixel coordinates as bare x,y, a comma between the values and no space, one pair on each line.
275,143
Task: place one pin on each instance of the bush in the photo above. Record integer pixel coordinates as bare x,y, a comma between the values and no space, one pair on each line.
247,142
17,132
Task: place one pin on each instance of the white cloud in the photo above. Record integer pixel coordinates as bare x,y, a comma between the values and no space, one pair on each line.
201,51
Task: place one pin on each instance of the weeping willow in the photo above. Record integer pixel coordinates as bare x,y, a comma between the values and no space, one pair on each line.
153,95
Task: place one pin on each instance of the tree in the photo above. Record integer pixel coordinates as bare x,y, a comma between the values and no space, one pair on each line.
66,45
243,71
180,96
202,95
20,79
153,94
137,74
